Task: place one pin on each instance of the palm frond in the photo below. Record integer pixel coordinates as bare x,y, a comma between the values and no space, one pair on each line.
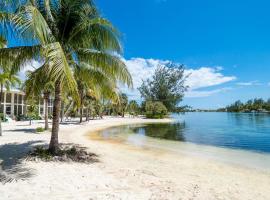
107,63
97,33
32,25
3,42
16,57
57,67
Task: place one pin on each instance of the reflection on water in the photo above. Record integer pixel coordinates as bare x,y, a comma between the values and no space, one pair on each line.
248,131
174,131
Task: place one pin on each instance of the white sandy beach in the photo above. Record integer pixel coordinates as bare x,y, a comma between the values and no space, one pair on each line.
124,172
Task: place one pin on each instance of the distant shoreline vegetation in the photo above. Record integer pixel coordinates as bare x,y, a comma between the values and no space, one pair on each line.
257,105
252,105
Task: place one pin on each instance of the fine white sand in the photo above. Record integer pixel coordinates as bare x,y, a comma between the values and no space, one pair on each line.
124,171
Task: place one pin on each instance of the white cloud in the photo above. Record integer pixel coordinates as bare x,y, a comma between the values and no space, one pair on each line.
206,77
30,66
250,83
203,77
205,93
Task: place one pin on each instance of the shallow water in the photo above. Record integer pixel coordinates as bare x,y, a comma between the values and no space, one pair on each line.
233,130
240,138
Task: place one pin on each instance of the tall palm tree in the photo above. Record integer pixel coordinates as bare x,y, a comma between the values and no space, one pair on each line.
63,34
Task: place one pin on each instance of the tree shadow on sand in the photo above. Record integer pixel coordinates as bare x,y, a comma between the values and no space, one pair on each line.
11,158
23,130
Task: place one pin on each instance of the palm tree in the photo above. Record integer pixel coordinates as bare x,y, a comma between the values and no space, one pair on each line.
94,83
7,80
36,86
133,108
63,34
123,103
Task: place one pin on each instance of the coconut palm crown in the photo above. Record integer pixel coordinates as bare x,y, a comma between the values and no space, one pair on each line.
63,35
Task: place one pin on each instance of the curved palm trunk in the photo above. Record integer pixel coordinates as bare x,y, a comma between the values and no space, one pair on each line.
54,144
2,109
87,115
81,115
46,99
81,106
62,111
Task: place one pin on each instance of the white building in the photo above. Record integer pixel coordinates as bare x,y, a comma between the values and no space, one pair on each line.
13,104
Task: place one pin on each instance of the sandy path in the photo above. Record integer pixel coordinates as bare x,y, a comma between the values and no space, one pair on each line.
123,172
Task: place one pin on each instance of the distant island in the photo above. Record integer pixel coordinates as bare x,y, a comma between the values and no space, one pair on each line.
257,105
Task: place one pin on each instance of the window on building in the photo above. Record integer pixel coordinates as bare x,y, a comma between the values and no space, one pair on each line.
41,110
20,110
8,109
20,99
1,108
15,98
15,110
24,109
8,98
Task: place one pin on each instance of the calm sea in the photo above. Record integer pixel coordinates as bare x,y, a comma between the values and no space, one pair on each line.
246,131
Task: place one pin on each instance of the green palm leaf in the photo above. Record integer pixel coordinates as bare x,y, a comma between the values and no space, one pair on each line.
109,64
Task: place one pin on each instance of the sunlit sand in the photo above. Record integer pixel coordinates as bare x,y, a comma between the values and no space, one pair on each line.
156,170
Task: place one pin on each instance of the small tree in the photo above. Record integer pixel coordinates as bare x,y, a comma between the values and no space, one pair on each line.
166,86
155,110
32,110
123,104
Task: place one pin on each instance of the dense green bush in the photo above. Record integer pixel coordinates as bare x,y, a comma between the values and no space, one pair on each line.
21,118
33,116
40,129
155,110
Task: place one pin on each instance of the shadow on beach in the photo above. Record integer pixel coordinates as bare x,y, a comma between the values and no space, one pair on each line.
11,158
23,130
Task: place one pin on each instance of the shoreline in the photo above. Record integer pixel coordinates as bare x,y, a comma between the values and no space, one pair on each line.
232,156
125,172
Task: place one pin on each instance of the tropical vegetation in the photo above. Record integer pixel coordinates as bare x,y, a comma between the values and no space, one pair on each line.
155,110
166,88
134,108
73,44
252,105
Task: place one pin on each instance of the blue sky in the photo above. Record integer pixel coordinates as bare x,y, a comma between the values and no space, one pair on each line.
226,44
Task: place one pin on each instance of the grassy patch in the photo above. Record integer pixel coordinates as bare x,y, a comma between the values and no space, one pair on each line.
67,153
40,129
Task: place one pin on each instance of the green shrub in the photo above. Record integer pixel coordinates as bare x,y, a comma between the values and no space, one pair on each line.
33,116
21,118
3,118
155,110
40,129
42,153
